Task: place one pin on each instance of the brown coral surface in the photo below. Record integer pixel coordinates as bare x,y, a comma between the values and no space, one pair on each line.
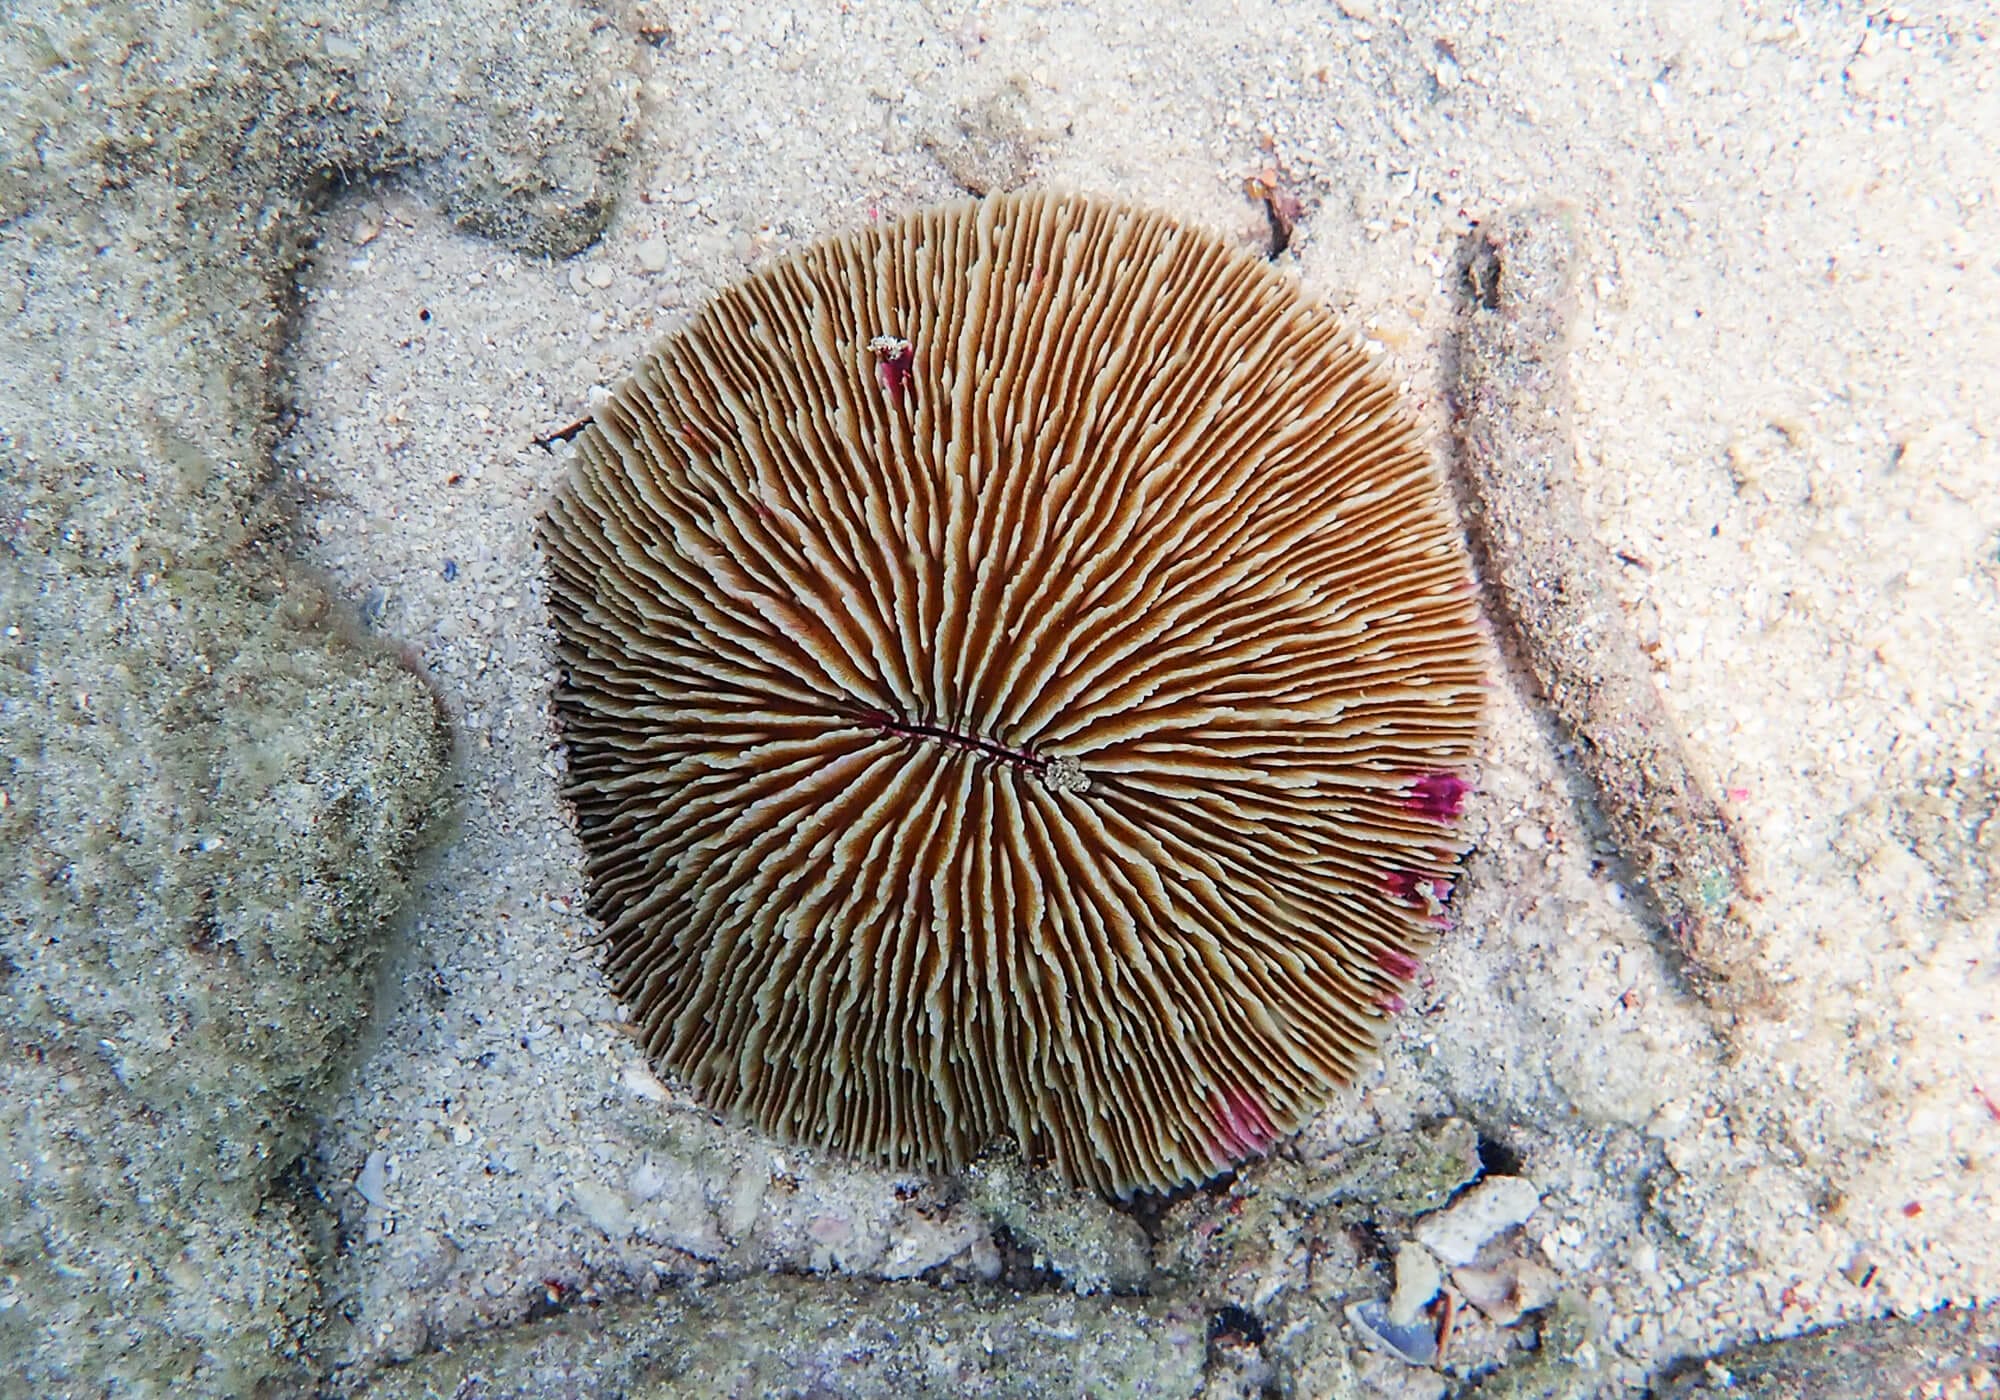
1021,670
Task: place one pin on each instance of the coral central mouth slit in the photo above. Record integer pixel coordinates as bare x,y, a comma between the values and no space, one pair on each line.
910,729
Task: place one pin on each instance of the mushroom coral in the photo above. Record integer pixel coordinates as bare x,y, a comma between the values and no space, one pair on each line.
1020,668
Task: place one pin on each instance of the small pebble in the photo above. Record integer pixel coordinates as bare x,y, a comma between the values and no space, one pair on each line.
1495,1204
374,1178
450,570
1417,1282
653,255
647,1181
599,276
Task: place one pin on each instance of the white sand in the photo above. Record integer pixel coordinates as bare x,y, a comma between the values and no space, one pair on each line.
1787,384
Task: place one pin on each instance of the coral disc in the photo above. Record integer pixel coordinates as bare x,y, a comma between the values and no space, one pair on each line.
1020,673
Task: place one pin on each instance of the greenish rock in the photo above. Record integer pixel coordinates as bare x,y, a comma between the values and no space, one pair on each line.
214,802
519,127
1241,1248
204,842
830,1339
213,791
1089,1245
1312,1351
1407,1173
158,168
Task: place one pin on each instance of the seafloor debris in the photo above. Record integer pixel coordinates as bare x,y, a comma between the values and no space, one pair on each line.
1565,1365
1543,566
1413,1342
1508,1289
1282,206
1418,1279
1303,1250
1495,1204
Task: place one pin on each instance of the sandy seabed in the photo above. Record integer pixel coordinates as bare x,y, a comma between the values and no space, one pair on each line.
1786,388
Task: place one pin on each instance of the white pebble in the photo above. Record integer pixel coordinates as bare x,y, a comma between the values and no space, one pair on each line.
1495,1204
374,1178
647,1181
1417,1282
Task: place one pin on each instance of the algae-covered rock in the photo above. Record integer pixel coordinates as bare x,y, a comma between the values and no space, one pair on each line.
1405,1173
828,1339
519,126
1313,1358
211,793
206,835
213,802
1090,1246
